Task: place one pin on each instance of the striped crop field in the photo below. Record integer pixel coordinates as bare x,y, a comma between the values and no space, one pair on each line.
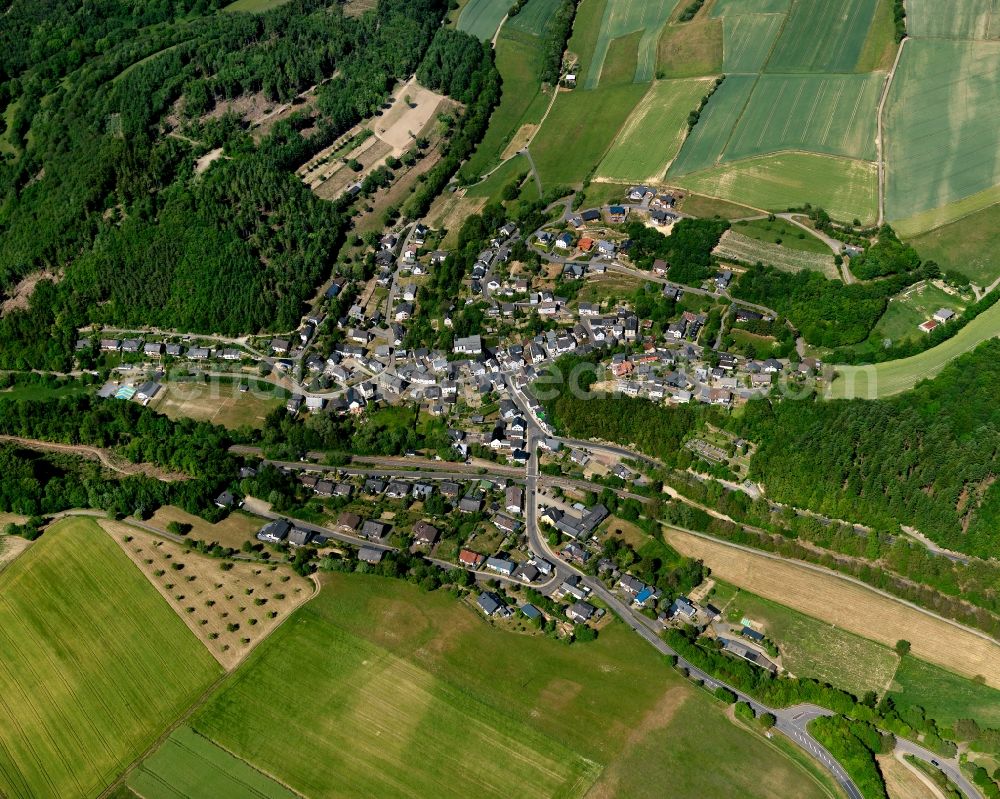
705,145
962,19
622,18
654,132
823,36
95,664
941,124
481,18
748,39
745,250
727,8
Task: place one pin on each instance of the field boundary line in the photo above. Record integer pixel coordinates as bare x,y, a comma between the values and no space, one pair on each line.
880,132
831,573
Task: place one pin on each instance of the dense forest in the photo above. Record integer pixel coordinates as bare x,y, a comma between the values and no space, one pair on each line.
687,250
108,114
928,458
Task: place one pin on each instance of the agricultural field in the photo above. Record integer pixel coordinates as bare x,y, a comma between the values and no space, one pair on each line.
781,231
893,377
947,214
621,19
95,664
699,205
812,648
492,187
621,60
229,611
824,37
901,781
706,143
970,246
944,695
579,130
846,188
831,114
11,546
966,19
653,132
850,606
586,31
406,685
189,765
910,308
481,18
940,126
531,20
233,531
219,403
748,40
691,49
745,250
726,8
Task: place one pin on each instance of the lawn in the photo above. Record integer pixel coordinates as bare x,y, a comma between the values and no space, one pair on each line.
579,130
705,144
620,19
95,664
831,114
481,18
690,49
966,19
970,246
846,188
749,39
189,765
410,693
637,156
910,308
940,123
945,696
519,60
812,648
823,37
892,377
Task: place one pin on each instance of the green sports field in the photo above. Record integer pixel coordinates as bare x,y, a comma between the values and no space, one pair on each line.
186,764
830,114
964,19
623,18
945,696
481,18
892,377
748,39
579,130
846,188
705,145
391,691
95,664
941,126
823,37
653,132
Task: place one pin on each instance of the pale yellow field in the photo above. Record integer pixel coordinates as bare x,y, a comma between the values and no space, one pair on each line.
232,531
847,605
209,599
223,404
901,782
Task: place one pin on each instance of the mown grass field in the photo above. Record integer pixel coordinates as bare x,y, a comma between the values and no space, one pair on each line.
748,40
95,664
704,146
944,695
519,60
481,18
893,377
654,131
845,187
388,690
579,130
186,764
940,124
824,37
965,19
620,19
691,49
970,246
812,648
832,114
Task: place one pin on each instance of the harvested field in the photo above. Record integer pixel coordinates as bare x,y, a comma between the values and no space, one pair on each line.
10,545
745,250
847,605
902,781
233,531
941,128
95,665
635,155
229,611
846,188
401,124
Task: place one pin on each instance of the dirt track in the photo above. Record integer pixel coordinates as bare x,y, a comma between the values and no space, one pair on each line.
105,457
